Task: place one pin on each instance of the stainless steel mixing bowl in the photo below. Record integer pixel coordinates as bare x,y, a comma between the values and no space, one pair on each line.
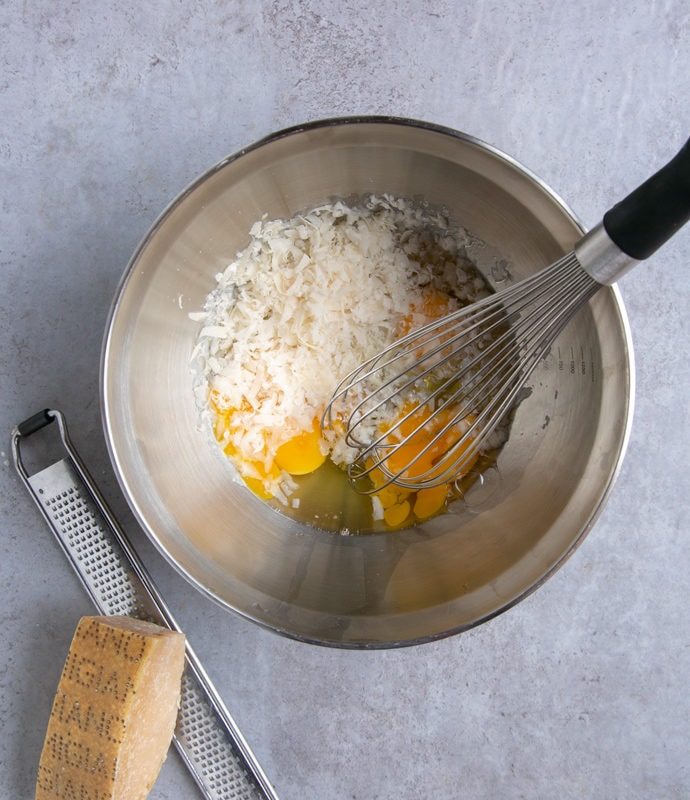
379,590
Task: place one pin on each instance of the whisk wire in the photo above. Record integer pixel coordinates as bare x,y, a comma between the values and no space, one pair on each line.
453,380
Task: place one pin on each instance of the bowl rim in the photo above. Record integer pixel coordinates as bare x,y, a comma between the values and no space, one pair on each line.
305,127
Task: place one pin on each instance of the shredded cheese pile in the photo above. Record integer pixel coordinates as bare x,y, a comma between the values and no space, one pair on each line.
307,301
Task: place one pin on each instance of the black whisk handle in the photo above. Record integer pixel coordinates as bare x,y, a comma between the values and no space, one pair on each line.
653,212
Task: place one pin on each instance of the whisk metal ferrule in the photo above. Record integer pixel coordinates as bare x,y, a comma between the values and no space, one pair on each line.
601,257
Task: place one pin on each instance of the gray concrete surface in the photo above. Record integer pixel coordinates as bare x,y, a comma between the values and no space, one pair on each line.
108,109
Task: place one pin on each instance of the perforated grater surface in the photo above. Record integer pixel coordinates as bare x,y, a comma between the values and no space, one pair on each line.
206,736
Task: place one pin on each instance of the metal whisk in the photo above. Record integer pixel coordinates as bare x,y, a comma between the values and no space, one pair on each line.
421,411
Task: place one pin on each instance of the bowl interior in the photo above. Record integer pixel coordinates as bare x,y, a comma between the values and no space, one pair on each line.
379,590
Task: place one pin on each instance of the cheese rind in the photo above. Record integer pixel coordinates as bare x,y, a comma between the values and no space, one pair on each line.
114,711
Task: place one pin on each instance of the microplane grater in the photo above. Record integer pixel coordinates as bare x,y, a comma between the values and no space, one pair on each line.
206,736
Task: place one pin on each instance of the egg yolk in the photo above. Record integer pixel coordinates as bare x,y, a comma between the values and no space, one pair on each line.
303,453
433,306
299,455
420,456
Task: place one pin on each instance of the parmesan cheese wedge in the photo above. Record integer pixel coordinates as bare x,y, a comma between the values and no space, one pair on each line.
114,711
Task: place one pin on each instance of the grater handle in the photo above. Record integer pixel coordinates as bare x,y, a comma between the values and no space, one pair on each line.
35,423
206,736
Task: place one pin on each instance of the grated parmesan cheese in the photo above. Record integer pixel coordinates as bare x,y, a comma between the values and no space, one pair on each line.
307,301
